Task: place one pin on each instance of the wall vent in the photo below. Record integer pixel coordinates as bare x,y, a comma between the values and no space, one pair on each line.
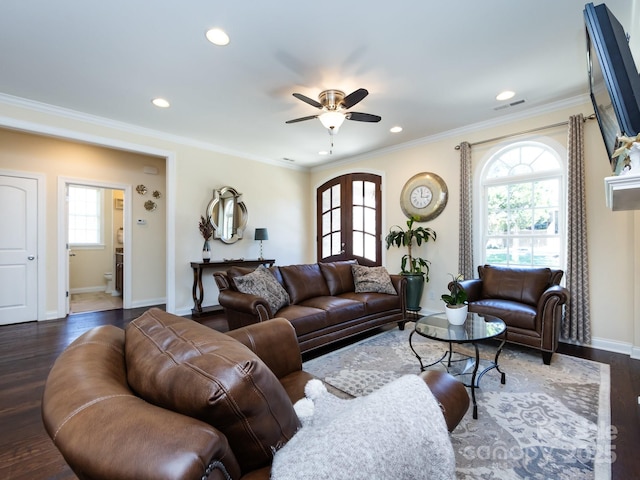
510,104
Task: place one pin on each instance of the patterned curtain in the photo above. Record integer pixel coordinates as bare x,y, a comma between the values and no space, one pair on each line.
465,247
576,326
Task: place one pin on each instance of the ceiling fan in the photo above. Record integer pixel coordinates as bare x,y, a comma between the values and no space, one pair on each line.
334,104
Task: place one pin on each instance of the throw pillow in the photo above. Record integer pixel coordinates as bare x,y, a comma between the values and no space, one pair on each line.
395,432
372,279
262,283
184,366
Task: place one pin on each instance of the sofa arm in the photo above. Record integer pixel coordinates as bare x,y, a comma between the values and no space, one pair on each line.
451,395
275,342
559,294
103,430
473,287
399,282
246,304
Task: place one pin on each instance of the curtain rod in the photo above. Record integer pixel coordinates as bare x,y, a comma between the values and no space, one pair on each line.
566,122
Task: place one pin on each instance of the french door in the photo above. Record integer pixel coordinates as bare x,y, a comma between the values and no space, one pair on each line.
349,219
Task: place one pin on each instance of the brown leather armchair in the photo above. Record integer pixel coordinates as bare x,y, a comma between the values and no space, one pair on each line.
107,412
529,300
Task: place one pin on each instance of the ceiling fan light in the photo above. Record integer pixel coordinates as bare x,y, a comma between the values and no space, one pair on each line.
332,120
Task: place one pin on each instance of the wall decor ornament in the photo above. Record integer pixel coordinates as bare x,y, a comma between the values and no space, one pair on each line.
150,205
141,189
424,196
156,194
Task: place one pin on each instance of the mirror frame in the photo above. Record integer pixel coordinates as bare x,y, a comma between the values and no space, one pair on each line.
228,216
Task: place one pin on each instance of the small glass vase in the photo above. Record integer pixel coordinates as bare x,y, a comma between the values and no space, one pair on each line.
206,252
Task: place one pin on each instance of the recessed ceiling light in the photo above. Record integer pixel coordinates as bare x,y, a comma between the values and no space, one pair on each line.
218,37
323,152
161,102
396,129
506,95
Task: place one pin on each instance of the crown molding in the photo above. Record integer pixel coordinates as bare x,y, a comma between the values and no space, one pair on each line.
75,115
462,131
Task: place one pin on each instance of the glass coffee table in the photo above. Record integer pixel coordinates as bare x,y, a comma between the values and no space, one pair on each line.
475,329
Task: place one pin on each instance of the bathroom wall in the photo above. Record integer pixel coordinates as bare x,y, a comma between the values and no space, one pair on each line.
87,266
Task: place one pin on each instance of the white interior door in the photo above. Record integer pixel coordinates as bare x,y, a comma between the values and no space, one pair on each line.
18,249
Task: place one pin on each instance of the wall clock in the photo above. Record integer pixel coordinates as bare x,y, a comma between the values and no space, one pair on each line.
424,196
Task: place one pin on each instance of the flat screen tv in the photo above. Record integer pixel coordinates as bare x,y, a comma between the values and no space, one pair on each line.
614,82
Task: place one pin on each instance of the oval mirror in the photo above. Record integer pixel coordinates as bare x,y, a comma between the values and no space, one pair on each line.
227,215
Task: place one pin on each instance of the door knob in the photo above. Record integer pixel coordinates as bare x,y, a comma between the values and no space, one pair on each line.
31,257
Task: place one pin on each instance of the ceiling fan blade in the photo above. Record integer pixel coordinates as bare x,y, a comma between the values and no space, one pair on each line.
302,119
354,97
310,101
363,117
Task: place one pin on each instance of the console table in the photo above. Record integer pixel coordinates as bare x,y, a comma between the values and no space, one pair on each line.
198,290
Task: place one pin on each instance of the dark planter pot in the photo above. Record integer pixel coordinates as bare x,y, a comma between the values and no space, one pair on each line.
415,286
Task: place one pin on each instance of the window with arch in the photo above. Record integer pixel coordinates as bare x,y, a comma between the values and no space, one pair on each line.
523,207
349,219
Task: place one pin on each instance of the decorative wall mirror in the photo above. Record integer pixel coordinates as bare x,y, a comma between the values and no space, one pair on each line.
227,214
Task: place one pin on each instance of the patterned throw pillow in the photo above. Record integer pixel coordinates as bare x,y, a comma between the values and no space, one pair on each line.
262,283
372,279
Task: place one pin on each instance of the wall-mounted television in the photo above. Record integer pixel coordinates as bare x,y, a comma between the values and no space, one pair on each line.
614,81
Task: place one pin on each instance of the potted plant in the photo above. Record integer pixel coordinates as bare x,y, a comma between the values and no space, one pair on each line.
415,269
456,307
206,230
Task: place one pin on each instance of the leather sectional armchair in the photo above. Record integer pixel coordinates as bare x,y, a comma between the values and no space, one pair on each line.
169,398
529,300
324,306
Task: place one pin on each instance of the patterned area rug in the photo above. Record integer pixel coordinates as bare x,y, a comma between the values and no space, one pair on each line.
546,422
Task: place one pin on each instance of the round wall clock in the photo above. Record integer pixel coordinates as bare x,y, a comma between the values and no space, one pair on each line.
424,196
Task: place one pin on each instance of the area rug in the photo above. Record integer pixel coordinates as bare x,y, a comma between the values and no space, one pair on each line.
546,422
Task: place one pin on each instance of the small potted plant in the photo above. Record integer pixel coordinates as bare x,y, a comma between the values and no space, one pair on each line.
415,269
206,230
456,306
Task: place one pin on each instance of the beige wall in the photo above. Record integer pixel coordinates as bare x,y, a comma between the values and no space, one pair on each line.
613,260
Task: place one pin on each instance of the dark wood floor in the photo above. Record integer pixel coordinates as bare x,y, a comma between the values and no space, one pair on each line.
27,352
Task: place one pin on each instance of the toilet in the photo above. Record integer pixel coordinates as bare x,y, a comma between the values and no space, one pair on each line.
108,276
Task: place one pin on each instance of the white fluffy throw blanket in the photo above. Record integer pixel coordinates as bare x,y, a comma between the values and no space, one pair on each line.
397,432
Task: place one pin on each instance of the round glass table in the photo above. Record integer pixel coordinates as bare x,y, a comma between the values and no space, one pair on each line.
475,329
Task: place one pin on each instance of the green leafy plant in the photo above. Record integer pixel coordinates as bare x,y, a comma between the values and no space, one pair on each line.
457,295
407,238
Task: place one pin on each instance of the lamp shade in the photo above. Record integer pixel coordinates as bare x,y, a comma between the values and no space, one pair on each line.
332,120
261,234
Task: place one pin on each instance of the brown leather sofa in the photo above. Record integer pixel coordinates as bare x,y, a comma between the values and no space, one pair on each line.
324,305
172,399
529,300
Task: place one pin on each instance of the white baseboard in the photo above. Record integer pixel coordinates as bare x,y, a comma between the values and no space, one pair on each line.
149,302
611,345
99,288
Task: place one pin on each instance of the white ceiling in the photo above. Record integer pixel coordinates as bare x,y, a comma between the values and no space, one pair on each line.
430,67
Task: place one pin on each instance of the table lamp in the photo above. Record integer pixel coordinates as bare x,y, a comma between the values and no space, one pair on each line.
261,234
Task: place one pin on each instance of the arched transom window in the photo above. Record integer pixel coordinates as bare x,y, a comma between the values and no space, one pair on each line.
523,207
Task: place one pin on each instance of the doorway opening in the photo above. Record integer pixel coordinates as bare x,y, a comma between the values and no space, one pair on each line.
95,232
